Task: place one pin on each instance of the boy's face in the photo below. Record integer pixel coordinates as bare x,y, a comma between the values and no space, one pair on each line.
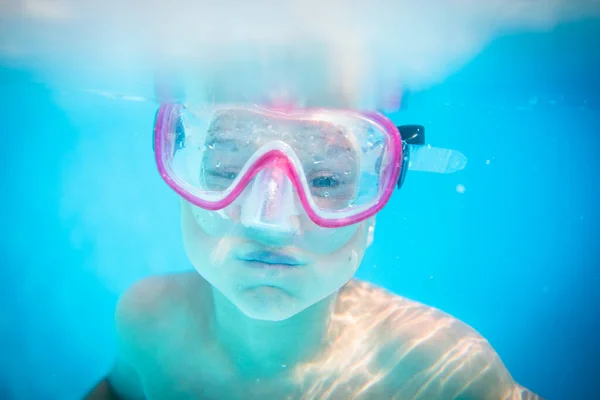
271,275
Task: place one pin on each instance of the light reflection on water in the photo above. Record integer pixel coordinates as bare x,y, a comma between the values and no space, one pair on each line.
332,50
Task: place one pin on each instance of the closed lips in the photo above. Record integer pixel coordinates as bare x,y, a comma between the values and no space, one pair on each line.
268,257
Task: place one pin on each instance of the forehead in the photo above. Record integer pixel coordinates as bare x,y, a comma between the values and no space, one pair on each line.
244,125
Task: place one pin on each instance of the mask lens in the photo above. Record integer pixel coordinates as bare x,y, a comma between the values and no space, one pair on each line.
341,158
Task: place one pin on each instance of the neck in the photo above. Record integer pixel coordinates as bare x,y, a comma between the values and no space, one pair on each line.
260,347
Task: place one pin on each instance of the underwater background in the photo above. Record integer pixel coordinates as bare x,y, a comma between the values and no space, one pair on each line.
509,245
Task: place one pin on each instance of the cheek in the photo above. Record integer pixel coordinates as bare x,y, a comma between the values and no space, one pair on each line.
214,224
194,239
324,241
205,231
202,235
341,265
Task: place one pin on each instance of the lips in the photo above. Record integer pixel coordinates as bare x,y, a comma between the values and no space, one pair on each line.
271,258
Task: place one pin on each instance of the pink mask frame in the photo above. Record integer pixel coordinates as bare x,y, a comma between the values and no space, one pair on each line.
168,114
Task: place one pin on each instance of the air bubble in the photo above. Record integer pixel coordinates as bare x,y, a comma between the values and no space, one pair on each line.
317,159
218,164
326,194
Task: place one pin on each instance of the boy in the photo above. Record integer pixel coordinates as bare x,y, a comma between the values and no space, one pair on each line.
278,206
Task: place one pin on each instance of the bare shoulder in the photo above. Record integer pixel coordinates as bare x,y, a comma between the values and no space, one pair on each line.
427,353
150,315
148,309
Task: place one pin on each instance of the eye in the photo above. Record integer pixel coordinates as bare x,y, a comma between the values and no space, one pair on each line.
325,182
217,179
179,135
229,175
222,174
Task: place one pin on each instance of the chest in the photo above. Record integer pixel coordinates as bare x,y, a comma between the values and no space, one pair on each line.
208,377
182,366
203,374
184,388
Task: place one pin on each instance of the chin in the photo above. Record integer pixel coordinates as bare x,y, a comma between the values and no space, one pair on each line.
268,303
269,316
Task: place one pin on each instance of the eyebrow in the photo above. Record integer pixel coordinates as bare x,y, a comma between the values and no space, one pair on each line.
337,149
220,134
220,139
222,142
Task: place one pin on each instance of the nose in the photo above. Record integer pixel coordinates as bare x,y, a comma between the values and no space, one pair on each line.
268,211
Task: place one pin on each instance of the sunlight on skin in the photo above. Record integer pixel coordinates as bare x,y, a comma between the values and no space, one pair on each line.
358,365
220,252
520,393
376,346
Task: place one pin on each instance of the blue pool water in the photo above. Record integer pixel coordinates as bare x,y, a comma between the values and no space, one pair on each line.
509,245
